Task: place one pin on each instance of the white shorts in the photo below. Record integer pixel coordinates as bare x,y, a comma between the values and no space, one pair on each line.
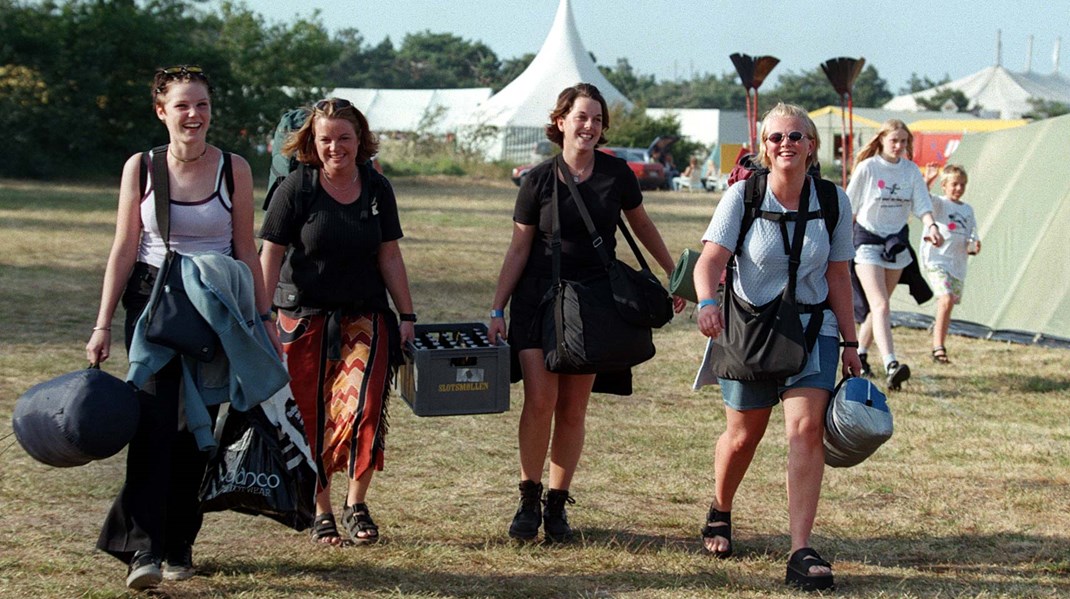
871,254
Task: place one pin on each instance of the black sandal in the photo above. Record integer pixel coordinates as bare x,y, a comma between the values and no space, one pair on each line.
940,355
718,524
324,529
357,519
799,576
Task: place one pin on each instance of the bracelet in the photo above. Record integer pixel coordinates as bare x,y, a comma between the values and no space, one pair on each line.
266,317
853,344
935,225
107,328
708,302
407,317
497,313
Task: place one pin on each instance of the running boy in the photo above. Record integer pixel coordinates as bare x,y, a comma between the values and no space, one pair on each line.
945,266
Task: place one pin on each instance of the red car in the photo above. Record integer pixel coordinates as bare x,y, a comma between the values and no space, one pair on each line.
651,175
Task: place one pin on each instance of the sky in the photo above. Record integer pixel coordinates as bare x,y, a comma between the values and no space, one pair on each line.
673,39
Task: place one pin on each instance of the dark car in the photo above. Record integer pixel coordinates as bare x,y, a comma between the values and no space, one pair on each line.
651,175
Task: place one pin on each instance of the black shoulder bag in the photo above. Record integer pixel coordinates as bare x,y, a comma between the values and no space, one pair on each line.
172,320
767,342
583,332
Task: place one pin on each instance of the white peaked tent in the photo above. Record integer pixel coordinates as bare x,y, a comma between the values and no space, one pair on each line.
520,111
998,91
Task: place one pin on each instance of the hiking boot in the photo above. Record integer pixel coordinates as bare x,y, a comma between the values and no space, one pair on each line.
179,567
555,519
525,526
144,572
897,375
867,372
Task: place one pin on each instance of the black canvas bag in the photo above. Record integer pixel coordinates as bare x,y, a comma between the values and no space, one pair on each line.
637,294
172,320
767,342
582,330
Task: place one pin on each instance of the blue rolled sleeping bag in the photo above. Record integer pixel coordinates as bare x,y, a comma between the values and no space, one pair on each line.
857,422
76,418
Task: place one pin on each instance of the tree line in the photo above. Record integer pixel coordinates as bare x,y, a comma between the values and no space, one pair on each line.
74,76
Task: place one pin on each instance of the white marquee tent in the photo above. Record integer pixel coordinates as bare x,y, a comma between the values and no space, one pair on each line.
996,90
521,109
436,111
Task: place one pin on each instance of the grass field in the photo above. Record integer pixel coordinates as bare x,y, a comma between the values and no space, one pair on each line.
970,498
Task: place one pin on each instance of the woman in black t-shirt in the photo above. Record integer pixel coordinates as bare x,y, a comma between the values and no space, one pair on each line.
337,329
559,401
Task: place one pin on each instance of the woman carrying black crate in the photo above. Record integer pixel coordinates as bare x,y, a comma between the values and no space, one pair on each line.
555,405
331,254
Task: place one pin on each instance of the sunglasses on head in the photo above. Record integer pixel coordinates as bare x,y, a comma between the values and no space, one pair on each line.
333,103
778,137
183,69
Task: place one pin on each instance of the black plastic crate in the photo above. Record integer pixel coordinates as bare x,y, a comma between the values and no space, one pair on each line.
452,369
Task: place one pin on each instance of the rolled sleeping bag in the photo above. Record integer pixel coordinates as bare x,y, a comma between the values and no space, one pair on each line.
682,281
857,422
76,418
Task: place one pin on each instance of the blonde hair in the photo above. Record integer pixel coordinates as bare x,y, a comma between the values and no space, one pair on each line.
953,170
782,110
874,146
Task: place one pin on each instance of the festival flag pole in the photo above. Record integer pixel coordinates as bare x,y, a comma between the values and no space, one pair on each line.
752,72
841,73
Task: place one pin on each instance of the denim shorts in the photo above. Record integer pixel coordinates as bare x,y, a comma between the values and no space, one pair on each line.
753,395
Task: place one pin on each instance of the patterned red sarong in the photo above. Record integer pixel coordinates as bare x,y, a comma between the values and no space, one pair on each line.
343,402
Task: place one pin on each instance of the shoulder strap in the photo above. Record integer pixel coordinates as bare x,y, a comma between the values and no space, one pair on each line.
829,199
753,195
228,174
310,181
596,239
162,192
143,173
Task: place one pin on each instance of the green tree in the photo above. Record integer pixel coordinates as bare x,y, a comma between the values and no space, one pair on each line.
943,95
627,81
916,84
364,66
1045,109
443,60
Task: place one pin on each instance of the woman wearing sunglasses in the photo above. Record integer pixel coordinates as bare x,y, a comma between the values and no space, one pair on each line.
156,516
789,146
885,188
331,254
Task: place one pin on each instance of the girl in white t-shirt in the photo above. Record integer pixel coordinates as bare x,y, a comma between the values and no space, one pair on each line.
885,189
945,266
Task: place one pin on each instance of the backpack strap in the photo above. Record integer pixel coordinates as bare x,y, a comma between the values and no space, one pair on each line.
829,200
162,193
228,174
143,173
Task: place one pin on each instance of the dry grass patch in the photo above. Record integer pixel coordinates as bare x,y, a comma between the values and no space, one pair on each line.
970,498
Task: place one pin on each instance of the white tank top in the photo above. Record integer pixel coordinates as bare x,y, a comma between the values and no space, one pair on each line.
203,226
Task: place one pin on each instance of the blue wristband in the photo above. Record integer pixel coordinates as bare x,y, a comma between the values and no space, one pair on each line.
708,302
497,313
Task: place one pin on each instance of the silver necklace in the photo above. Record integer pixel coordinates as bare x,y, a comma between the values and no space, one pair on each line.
327,178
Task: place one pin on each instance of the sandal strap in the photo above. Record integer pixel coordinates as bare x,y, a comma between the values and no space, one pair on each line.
807,558
324,526
718,524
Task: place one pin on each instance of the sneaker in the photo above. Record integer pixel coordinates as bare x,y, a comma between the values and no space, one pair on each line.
179,567
555,517
867,372
525,525
897,375
144,572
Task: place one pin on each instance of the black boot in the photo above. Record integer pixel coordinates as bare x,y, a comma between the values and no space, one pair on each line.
555,519
526,522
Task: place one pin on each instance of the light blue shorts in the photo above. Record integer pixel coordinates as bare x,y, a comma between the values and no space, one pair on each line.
753,395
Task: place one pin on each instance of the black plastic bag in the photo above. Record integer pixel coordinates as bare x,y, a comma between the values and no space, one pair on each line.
255,472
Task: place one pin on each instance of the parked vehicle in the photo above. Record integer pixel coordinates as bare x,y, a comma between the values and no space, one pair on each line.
651,175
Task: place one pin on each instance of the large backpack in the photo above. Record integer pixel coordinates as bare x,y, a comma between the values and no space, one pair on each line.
754,192
282,165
